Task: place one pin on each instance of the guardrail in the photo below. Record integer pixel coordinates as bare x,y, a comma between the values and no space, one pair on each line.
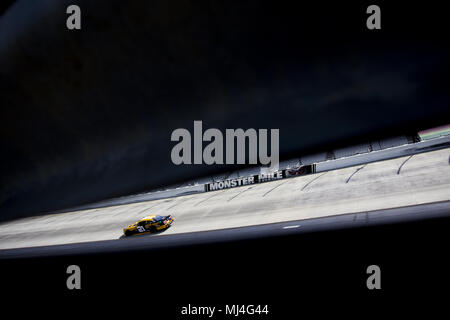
373,156
384,154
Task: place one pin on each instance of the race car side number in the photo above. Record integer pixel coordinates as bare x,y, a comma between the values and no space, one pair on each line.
141,229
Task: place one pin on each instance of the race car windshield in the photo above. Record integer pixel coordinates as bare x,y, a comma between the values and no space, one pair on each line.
158,218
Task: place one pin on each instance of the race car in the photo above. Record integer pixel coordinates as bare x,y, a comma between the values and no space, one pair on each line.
149,224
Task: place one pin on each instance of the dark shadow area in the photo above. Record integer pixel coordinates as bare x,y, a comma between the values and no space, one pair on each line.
293,274
5,5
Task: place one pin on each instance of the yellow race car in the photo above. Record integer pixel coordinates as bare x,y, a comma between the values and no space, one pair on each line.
149,224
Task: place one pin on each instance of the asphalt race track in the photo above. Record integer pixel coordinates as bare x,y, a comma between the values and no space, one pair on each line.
402,182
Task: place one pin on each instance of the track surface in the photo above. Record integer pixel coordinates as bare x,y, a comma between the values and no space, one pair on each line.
406,181
402,214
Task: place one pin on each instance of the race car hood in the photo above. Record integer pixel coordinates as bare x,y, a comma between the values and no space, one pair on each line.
131,226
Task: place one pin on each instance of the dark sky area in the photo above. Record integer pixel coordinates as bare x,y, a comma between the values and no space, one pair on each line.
88,114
